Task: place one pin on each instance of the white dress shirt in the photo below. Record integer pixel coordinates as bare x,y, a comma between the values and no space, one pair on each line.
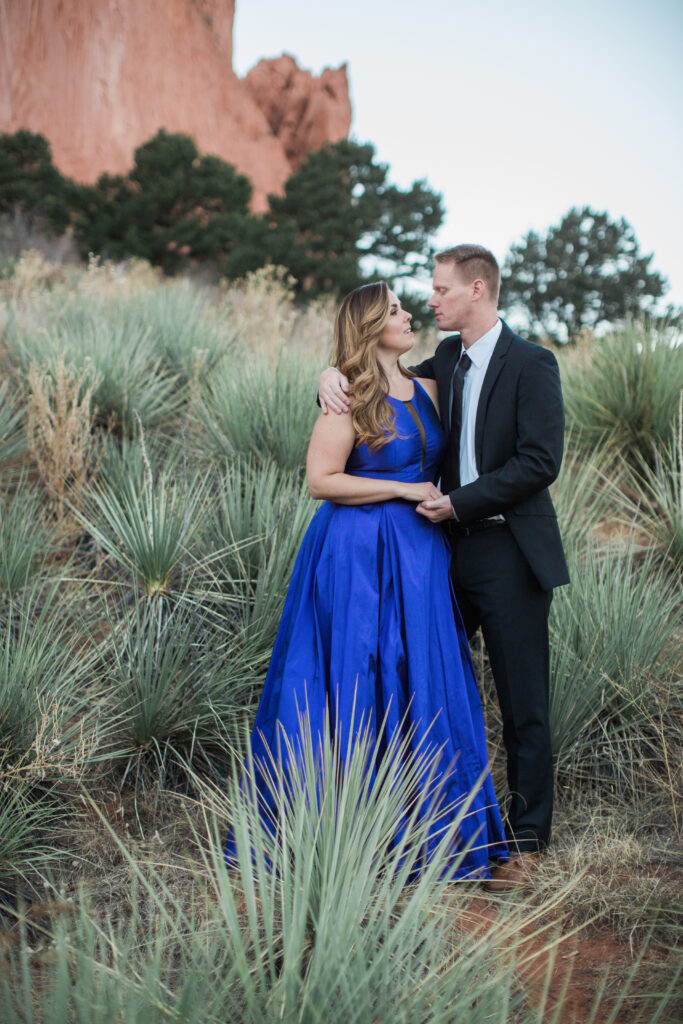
480,353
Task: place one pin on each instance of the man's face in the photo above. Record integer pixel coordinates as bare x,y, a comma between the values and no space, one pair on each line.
451,299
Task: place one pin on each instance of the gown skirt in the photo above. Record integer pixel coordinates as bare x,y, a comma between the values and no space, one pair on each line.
370,628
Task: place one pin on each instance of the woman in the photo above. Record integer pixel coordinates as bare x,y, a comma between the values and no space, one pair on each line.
368,625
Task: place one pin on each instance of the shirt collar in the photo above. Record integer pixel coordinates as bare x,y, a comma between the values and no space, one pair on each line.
480,351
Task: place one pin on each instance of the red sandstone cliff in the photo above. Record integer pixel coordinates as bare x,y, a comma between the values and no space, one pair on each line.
99,77
303,111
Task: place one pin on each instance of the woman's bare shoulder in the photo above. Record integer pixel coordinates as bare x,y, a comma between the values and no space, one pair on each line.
430,387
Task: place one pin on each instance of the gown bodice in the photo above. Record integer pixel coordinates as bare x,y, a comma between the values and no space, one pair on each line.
415,454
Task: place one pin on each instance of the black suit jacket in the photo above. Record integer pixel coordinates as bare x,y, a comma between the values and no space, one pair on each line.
519,439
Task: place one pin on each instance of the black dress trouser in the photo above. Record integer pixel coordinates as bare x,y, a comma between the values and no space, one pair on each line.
495,589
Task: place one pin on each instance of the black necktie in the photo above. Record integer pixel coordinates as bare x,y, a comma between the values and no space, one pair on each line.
456,409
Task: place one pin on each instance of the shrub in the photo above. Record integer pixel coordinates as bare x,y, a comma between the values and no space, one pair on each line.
29,818
23,538
659,489
169,684
185,331
318,924
583,494
259,410
46,709
12,415
143,522
627,392
612,650
118,360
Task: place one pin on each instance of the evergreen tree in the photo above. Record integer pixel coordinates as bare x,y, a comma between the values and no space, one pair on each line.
173,208
31,184
340,222
585,271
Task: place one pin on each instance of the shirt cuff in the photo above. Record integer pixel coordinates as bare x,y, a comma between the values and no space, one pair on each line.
455,514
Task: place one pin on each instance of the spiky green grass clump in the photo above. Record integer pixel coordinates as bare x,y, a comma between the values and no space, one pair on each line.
627,391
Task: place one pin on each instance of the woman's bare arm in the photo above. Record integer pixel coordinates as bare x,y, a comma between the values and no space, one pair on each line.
331,444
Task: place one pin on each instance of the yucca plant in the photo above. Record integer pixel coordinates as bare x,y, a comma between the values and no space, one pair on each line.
24,543
612,646
130,384
659,490
145,521
183,326
584,495
169,682
12,415
258,507
29,819
628,391
47,710
260,409
320,923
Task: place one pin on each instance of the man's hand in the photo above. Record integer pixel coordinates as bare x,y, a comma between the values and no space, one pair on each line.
438,510
333,391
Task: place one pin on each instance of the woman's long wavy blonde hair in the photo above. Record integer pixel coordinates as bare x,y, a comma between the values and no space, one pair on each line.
361,318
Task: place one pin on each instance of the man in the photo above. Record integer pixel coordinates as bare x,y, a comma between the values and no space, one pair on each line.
501,401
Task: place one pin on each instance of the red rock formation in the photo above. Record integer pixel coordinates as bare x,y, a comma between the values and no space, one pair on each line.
99,77
302,111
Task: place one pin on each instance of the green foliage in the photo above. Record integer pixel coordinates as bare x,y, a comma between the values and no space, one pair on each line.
29,819
30,182
339,221
256,530
184,330
338,209
585,271
145,523
320,926
262,411
583,495
46,713
12,416
174,208
612,651
659,490
117,355
23,538
627,391
169,683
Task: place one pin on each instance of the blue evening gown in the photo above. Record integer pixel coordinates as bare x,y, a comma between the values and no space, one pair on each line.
370,627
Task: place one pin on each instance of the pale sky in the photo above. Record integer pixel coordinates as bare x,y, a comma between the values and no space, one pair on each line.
515,110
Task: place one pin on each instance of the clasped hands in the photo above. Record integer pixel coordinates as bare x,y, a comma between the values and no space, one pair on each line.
431,503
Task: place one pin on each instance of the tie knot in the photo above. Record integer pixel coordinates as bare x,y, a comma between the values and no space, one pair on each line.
464,363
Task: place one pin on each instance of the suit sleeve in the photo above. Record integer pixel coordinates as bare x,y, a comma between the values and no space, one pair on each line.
425,369
539,446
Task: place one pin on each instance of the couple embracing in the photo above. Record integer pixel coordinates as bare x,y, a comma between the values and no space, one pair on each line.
436,520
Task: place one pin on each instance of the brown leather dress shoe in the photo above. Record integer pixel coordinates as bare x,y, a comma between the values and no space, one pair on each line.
513,873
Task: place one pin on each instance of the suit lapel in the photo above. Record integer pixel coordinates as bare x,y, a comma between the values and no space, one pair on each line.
496,364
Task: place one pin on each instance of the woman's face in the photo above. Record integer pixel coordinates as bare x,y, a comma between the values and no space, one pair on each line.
397,335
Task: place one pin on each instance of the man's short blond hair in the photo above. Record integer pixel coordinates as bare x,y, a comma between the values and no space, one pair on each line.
474,261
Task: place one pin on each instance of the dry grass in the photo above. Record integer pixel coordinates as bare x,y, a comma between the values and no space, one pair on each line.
260,310
31,275
59,430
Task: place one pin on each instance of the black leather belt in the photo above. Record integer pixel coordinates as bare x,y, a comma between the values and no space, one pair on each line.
459,530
